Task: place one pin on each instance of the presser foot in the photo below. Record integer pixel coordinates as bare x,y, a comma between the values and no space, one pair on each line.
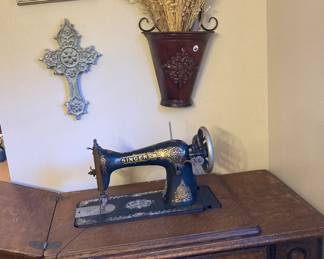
138,206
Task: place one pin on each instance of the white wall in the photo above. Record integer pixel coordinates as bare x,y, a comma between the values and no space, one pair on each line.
47,148
296,95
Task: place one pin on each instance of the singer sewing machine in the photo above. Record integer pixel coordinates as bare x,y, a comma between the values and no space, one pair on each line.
180,195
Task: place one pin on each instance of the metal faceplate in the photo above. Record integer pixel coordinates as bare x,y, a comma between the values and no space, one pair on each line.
71,60
138,206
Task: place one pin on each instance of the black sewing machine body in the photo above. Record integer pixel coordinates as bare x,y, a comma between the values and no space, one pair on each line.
172,155
180,195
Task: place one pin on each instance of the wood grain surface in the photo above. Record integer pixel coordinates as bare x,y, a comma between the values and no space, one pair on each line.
289,224
280,212
274,206
127,239
25,215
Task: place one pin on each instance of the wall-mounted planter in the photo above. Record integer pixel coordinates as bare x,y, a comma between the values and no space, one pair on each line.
177,57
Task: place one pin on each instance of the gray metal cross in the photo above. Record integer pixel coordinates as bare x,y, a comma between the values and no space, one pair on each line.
71,61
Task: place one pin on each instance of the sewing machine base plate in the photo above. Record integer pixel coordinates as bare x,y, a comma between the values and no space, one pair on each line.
138,206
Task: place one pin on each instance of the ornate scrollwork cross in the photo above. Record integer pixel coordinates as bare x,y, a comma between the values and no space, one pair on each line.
71,61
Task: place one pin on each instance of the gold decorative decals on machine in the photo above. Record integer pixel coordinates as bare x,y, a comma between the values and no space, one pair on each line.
180,68
173,154
182,193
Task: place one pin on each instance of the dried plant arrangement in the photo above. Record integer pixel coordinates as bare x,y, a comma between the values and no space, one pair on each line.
175,15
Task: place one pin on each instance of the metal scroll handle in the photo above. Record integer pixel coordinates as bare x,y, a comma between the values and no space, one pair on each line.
210,20
145,20
204,27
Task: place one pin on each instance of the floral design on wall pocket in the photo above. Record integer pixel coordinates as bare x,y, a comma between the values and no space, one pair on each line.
179,68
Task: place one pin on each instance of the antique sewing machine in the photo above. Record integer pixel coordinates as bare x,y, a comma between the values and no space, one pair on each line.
180,195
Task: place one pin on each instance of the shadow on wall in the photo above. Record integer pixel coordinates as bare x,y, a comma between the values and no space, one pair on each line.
230,154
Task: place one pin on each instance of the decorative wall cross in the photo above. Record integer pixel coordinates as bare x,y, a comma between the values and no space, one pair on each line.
71,61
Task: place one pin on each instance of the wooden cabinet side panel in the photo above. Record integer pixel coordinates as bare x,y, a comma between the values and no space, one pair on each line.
256,253
302,249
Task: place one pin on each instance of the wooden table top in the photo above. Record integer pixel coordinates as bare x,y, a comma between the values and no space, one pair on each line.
25,217
132,237
261,199
249,200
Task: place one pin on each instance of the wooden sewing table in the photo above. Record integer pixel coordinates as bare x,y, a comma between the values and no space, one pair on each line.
260,218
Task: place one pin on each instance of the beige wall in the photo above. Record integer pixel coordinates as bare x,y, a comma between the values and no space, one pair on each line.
296,95
47,148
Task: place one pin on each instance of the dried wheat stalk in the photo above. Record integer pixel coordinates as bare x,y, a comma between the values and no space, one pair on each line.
173,15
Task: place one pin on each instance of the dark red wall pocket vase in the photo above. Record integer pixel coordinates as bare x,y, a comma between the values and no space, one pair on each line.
177,57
